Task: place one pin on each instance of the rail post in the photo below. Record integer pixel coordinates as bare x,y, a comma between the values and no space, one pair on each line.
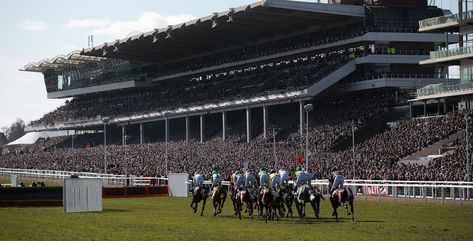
443,195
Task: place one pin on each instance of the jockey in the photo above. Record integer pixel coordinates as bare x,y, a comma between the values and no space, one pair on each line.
250,180
284,177
216,178
198,180
299,176
263,178
238,180
274,179
337,180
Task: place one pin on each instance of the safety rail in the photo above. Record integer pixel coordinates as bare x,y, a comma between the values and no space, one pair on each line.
419,190
107,178
452,18
437,89
451,52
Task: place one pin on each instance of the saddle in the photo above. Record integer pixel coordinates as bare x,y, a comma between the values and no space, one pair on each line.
341,194
196,190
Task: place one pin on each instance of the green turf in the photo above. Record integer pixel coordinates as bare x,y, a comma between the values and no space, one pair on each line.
165,218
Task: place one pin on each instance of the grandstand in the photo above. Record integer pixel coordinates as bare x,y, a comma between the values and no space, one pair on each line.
218,87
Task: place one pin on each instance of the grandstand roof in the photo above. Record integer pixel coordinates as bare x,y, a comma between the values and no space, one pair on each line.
61,61
234,27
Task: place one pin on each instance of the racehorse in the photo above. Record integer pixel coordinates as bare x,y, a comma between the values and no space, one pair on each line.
342,197
265,202
199,194
243,197
288,199
219,195
277,203
308,194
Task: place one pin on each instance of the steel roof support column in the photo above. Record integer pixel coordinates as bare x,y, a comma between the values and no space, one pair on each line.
224,126
410,109
445,105
202,131
166,129
265,121
187,128
123,134
248,124
301,117
142,137
425,108
438,106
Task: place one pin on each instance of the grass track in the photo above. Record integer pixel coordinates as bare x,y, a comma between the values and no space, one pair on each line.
166,218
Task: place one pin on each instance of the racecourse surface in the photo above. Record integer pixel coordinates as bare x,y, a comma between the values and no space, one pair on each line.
166,218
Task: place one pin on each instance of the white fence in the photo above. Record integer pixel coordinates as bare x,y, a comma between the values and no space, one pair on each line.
419,190
107,178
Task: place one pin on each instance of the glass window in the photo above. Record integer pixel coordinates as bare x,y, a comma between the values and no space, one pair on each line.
60,82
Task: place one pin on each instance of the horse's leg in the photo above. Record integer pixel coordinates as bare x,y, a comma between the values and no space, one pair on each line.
232,197
336,214
276,213
223,202
313,204
251,208
239,207
215,207
266,214
351,209
289,208
203,207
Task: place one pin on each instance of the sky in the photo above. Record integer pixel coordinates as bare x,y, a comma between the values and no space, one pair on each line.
34,30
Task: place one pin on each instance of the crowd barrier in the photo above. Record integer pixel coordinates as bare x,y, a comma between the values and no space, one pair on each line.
420,190
107,178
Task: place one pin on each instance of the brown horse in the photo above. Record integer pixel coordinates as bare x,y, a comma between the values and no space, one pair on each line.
265,202
199,194
219,195
243,197
342,197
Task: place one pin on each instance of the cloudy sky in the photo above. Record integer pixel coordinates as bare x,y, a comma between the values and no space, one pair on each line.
35,30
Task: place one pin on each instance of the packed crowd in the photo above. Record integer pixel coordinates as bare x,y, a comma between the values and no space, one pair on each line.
376,157
379,19
276,76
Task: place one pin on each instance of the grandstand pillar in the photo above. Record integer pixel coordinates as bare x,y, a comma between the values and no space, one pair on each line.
187,128
425,107
123,134
301,117
166,130
265,121
410,109
142,137
202,131
438,106
248,124
224,125
445,105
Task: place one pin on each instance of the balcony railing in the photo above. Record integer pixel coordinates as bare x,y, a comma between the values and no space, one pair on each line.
453,18
438,89
451,52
